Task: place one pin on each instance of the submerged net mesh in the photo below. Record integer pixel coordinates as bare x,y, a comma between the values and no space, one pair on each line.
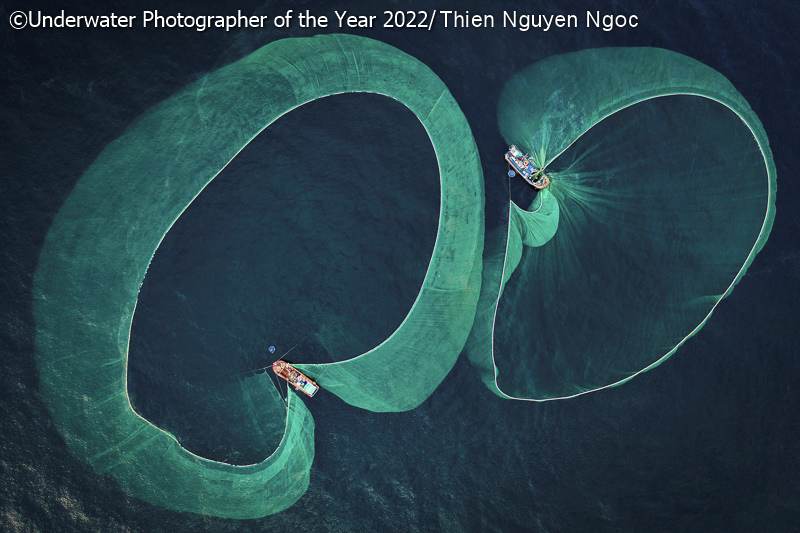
665,186
98,250
662,192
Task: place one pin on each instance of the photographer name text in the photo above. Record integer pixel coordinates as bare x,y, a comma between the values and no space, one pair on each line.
405,20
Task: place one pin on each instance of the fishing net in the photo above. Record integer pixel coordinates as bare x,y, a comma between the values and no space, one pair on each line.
665,186
662,192
100,244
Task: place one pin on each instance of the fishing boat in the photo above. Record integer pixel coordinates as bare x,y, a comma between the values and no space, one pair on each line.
522,165
296,378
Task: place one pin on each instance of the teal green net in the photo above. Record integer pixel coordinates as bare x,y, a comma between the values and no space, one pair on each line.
99,247
662,192
665,187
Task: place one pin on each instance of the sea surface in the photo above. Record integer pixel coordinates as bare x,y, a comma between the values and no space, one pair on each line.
708,441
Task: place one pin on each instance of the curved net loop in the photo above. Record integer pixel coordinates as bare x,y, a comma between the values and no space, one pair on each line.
99,247
666,191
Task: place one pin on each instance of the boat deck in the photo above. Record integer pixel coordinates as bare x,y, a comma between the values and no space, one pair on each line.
296,378
523,166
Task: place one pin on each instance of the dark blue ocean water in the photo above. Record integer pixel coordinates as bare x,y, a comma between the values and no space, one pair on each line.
708,441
